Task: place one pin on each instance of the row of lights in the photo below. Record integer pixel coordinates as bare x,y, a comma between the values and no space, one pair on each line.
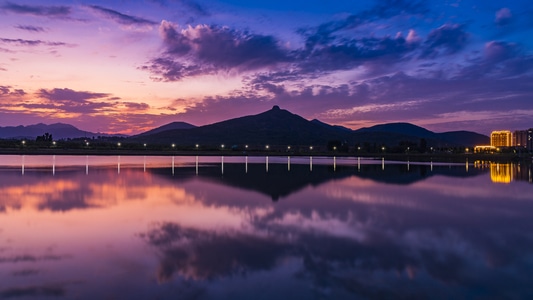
246,146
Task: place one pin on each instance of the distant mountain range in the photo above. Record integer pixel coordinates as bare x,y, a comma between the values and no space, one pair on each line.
281,127
169,126
273,127
57,130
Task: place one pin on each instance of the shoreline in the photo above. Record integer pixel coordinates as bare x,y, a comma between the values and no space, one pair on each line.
422,157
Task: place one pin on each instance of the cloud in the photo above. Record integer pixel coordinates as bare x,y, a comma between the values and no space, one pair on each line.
447,39
37,10
71,101
33,43
355,52
195,7
69,95
6,90
204,49
120,17
33,291
186,251
30,28
499,60
191,6
136,106
24,258
325,33
503,17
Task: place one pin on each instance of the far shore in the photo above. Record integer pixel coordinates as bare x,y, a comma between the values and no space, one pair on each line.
421,157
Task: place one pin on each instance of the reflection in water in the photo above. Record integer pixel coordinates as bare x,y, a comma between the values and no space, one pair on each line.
507,172
338,229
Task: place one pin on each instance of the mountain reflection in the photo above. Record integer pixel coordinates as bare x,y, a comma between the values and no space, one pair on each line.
74,189
398,231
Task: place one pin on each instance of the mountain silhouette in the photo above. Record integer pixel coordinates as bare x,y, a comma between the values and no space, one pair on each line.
407,129
275,127
57,130
169,126
283,128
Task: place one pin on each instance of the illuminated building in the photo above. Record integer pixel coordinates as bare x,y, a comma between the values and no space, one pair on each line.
501,138
485,149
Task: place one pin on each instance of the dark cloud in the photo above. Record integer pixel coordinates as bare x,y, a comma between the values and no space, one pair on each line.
33,291
195,7
189,251
499,60
351,53
69,95
9,91
30,28
32,258
23,42
37,10
136,106
120,17
208,49
168,69
325,33
191,6
72,101
447,39
503,17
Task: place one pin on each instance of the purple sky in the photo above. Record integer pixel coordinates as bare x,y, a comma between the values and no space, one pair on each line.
128,66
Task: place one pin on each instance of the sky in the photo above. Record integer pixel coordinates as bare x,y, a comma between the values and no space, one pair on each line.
129,66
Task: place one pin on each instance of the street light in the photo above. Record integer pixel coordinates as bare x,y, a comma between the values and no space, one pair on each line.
310,147
119,144
222,146
267,147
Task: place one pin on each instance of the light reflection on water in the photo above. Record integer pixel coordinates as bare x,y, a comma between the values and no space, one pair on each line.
242,227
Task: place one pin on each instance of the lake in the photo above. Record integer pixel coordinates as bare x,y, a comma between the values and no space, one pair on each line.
134,227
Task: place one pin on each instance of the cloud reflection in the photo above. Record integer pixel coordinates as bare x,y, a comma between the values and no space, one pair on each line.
401,243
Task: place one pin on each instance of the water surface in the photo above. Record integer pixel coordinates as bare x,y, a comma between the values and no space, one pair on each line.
77,227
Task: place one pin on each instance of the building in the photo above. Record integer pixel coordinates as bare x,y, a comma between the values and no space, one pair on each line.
501,138
529,142
520,138
523,138
485,149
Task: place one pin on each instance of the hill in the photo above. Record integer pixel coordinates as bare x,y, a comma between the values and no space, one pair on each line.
281,127
169,126
405,129
57,130
275,127
410,131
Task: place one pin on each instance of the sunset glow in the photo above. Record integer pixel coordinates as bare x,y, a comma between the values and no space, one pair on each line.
126,67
